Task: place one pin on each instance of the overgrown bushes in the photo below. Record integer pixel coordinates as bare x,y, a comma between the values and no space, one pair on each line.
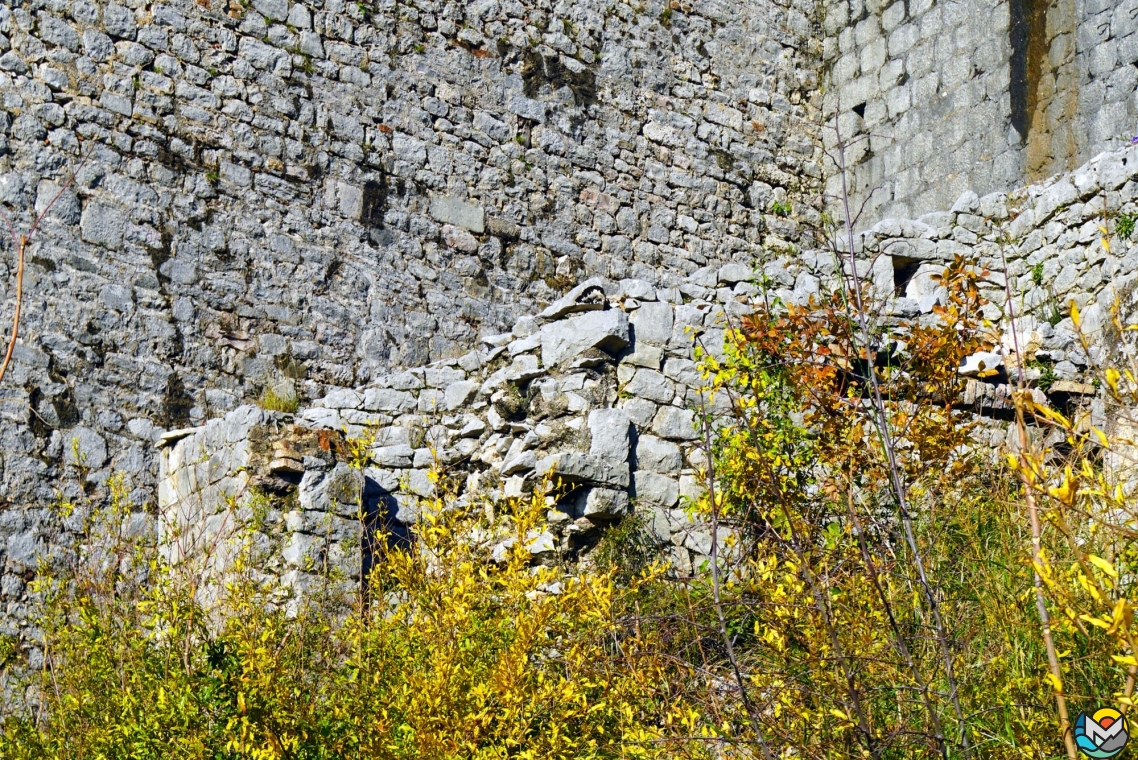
878,589
459,655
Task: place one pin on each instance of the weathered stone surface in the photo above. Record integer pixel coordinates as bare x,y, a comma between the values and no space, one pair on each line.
609,430
652,323
675,424
566,339
335,492
573,467
605,503
459,394
86,448
459,213
657,455
651,385
387,400
651,488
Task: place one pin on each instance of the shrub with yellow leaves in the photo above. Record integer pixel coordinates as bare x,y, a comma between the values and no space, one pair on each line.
1077,466
463,652
875,597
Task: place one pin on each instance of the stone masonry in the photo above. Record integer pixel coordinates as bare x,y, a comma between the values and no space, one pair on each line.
485,229
600,390
312,194
980,95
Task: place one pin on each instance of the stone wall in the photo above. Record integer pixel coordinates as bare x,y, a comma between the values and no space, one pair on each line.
976,95
600,390
317,192
1066,240
316,195
596,392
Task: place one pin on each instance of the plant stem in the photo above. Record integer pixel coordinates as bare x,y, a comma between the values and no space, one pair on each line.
715,583
1036,530
23,245
21,242
882,425
894,627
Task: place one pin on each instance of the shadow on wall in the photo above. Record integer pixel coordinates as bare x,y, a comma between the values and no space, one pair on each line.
1044,84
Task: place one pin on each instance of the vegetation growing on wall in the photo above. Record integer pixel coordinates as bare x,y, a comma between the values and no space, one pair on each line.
835,620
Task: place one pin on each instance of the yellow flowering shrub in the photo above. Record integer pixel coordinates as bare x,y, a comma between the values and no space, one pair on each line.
457,656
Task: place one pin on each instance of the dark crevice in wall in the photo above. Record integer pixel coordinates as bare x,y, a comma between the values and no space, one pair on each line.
1028,36
375,201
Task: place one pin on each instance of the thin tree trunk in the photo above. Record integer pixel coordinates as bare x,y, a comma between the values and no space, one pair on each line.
882,425
727,643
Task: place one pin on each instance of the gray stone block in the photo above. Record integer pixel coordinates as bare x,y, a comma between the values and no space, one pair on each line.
460,213
609,429
651,385
564,340
651,488
674,423
102,225
657,455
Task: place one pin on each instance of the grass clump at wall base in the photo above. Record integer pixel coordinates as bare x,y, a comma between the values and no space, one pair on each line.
278,400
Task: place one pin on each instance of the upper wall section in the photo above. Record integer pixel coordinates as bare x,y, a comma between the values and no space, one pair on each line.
978,95
325,190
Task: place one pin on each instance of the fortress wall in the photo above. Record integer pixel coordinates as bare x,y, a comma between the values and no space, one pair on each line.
959,95
602,390
317,192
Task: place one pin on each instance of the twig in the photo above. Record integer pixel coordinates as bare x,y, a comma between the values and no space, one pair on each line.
882,425
727,644
894,627
1036,531
21,242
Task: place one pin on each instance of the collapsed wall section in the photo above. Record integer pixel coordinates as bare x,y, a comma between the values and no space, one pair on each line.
601,391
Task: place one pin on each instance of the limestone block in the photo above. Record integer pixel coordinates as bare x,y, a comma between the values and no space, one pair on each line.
102,225
335,492
652,488
652,323
657,455
564,340
609,429
84,447
605,503
388,400
459,213
573,467
651,385
674,423
640,410
275,10
392,456
119,21
342,398
458,395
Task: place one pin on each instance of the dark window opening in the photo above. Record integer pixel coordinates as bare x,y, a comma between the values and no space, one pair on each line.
904,270
860,110
375,202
